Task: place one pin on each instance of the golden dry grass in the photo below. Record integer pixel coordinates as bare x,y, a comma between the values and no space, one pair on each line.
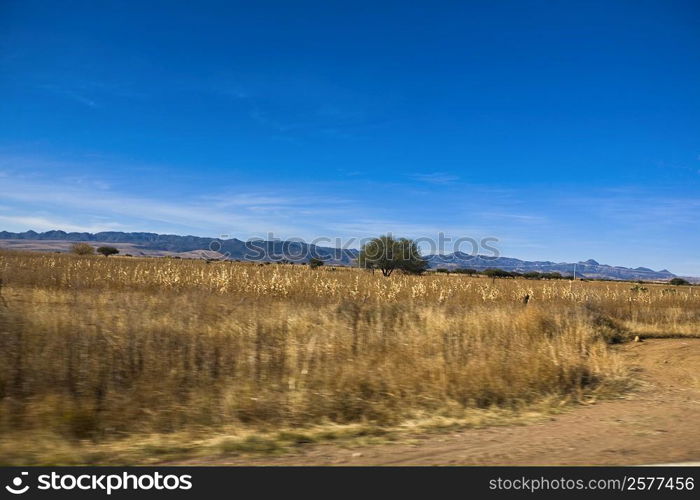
99,350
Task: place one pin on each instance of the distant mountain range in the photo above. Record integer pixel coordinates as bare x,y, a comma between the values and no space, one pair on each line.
586,269
152,244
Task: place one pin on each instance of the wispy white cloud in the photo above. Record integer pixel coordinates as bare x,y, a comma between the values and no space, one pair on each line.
91,93
37,223
623,225
635,208
194,214
77,95
29,195
522,217
435,178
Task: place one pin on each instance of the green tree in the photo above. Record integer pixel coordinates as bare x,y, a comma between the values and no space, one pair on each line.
107,251
82,249
315,263
467,271
497,273
679,281
552,276
389,254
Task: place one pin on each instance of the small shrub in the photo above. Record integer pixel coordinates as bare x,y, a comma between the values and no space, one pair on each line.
82,249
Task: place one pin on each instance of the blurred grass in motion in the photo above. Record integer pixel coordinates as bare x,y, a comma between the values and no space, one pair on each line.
96,350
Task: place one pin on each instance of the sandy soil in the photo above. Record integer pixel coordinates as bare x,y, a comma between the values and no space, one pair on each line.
659,422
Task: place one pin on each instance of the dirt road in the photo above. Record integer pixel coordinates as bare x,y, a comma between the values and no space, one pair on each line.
659,422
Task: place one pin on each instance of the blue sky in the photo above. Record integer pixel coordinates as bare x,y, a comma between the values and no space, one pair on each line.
567,130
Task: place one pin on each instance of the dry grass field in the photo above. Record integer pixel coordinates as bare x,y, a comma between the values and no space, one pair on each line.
125,360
